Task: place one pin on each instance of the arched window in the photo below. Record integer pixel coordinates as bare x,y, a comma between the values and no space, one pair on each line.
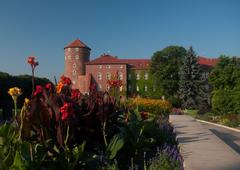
145,88
74,72
74,65
137,88
99,75
146,76
108,76
120,75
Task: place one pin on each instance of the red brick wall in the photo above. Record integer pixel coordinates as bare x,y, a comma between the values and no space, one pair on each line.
94,70
75,60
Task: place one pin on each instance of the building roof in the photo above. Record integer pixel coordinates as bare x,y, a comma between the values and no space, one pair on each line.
138,63
105,59
207,61
134,63
77,43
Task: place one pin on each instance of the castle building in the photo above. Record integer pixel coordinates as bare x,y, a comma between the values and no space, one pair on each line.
83,72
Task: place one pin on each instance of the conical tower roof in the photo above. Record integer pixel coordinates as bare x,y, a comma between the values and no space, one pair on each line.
77,43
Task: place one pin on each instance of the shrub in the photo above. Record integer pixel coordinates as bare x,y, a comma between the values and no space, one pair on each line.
155,106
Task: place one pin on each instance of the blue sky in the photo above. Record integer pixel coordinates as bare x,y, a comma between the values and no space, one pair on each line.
126,28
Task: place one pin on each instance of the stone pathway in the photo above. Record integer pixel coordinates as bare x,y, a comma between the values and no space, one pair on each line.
202,149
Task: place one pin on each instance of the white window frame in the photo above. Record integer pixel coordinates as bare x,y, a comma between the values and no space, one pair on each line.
108,76
99,76
69,49
146,76
138,76
99,86
74,65
76,49
77,57
121,66
100,66
129,76
120,75
74,72
137,88
108,66
145,88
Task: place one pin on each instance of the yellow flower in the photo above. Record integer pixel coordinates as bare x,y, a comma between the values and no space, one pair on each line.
26,101
15,92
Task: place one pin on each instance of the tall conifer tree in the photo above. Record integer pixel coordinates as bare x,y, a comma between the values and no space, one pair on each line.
191,87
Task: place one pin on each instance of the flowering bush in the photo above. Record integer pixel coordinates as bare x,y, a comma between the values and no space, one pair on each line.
154,106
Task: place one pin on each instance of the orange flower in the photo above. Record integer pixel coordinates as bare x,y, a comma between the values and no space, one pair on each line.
59,87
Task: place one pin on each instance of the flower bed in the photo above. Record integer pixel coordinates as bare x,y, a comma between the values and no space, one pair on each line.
59,128
157,107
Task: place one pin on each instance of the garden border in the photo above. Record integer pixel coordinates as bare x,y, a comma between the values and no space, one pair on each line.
219,125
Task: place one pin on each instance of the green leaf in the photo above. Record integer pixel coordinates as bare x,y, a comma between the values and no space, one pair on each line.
18,163
9,158
25,151
114,146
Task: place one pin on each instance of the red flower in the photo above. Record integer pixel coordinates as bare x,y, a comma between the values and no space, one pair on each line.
75,94
48,86
65,80
66,110
31,61
144,115
39,90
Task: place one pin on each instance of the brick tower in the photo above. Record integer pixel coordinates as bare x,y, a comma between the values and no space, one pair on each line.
76,55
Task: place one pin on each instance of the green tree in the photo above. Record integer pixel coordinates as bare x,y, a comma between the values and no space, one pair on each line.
191,86
165,67
225,79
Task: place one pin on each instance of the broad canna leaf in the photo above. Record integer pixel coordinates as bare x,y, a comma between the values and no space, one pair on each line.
18,163
114,146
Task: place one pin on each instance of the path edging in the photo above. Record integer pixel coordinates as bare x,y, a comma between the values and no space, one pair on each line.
223,126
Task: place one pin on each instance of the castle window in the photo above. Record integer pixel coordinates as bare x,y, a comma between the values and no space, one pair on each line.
74,72
108,76
99,66
138,76
77,57
99,87
65,57
108,66
121,66
120,76
145,88
121,88
99,76
146,76
74,65
108,87
69,57
76,49
129,76
69,49
137,88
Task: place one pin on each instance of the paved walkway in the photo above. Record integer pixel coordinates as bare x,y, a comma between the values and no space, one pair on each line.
230,137
202,149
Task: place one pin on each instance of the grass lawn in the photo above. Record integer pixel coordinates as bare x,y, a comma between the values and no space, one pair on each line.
232,120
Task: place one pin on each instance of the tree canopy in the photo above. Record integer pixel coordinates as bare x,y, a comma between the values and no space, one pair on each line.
22,81
225,79
165,67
